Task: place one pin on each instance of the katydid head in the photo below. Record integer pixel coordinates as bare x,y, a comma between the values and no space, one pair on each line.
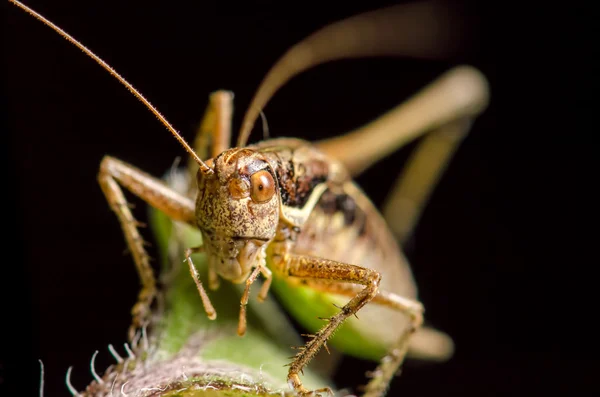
237,210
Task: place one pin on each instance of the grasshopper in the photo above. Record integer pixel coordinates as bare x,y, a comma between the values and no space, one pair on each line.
290,211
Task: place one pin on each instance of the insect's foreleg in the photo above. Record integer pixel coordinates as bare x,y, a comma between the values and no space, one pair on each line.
389,365
307,267
460,93
214,132
113,173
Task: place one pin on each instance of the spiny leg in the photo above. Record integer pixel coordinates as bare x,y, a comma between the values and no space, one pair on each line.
208,307
113,173
389,365
460,93
412,308
308,267
214,133
444,109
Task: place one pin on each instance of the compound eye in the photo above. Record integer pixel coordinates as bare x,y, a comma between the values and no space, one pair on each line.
262,185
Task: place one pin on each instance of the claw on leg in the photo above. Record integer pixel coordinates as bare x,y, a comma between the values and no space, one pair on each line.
308,267
295,384
141,311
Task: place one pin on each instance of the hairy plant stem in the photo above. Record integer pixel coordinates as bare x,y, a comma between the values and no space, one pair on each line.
183,353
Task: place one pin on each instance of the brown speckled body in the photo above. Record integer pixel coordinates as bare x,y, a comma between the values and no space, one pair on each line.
343,225
317,211
285,200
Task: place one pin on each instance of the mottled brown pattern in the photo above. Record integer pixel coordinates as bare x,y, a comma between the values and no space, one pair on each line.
226,212
346,227
299,168
229,221
320,228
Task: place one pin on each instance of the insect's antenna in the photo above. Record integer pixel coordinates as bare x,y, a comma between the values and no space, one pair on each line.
205,168
425,29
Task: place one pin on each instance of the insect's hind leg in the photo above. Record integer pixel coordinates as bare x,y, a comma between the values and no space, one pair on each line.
113,173
443,112
444,109
426,164
460,93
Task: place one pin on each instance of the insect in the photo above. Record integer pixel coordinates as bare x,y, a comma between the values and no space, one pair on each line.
289,211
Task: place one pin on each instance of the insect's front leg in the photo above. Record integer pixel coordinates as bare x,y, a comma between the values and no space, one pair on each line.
308,267
389,365
114,173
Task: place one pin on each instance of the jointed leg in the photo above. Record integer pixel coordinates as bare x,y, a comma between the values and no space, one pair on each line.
412,189
113,173
316,268
413,309
444,109
389,365
460,93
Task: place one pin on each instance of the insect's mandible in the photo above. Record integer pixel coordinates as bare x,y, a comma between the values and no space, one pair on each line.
289,210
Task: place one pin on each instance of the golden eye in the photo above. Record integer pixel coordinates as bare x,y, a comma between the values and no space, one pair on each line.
262,185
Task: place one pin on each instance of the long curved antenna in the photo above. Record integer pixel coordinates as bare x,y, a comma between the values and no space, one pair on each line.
205,168
425,29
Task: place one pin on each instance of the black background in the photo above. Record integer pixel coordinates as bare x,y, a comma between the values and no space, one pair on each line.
502,255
